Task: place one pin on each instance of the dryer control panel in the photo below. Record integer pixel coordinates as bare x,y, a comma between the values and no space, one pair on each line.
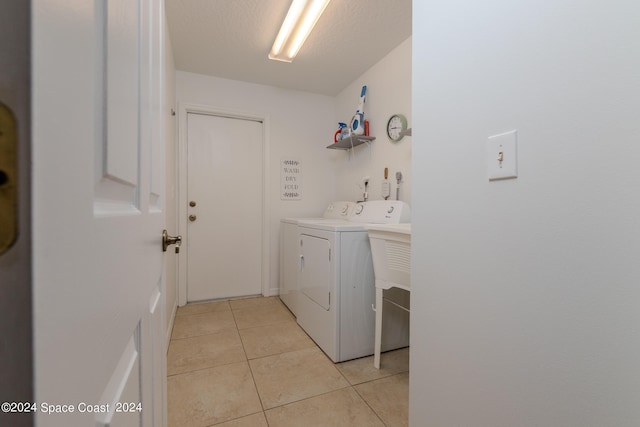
382,212
341,210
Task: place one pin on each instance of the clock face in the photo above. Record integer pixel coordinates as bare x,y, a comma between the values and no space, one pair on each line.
396,124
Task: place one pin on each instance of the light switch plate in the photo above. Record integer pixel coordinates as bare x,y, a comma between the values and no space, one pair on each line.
502,156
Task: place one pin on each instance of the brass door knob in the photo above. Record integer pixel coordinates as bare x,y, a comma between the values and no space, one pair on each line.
192,203
192,218
170,240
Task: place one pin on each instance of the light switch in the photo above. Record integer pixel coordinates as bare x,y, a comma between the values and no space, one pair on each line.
502,156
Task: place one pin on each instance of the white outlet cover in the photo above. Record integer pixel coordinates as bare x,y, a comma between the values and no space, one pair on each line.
502,146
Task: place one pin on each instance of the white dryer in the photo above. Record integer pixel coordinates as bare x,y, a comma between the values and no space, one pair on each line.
289,254
337,284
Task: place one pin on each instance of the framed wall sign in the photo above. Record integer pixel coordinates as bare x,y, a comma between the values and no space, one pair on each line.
290,179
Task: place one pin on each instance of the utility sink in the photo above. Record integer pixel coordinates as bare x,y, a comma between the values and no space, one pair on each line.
391,252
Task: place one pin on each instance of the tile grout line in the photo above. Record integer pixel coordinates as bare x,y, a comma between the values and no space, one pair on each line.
253,378
202,335
285,352
353,387
204,369
370,407
206,311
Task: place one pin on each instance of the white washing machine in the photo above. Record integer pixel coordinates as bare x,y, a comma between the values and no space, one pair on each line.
337,285
290,256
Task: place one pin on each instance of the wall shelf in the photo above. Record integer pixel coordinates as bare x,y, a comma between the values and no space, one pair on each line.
350,142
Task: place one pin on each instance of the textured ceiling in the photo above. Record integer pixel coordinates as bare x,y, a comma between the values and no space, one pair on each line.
232,38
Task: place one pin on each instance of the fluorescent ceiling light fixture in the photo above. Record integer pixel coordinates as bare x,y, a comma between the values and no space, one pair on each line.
300,20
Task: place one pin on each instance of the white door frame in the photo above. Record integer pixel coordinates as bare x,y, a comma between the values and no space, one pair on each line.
183,110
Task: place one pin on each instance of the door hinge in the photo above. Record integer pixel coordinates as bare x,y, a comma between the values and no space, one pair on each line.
8,177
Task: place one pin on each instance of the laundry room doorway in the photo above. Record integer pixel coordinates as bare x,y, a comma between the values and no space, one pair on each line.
222,212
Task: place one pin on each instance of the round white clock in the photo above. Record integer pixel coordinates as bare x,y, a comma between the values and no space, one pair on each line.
396,124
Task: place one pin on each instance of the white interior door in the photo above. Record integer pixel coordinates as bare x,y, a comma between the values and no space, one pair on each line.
98,212
224,227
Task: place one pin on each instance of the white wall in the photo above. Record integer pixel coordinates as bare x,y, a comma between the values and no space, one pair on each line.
300,125
388,92
525,301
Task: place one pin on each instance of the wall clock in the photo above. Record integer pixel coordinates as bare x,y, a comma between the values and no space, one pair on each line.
396,124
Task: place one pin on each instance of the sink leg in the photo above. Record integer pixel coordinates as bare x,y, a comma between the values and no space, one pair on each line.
378,338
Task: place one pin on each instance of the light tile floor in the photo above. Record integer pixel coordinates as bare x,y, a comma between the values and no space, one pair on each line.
247,363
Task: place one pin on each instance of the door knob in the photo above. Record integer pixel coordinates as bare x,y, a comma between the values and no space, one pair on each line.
192,218
170,240
192,203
